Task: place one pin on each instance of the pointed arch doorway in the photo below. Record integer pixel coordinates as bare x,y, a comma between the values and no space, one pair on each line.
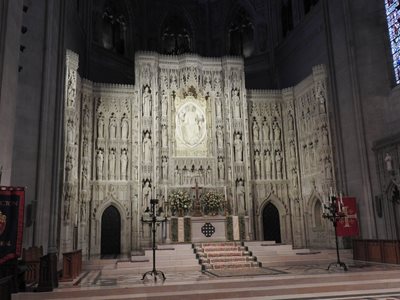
271,223
110,232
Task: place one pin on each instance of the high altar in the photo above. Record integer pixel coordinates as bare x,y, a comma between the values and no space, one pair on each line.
188,120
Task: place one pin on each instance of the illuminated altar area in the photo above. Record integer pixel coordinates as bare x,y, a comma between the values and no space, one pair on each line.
189,125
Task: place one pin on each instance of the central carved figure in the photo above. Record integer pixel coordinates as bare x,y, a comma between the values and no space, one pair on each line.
190,124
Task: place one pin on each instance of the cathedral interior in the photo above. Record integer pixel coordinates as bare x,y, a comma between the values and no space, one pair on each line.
275,104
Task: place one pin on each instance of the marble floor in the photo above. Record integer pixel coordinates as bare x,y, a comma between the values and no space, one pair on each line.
308,281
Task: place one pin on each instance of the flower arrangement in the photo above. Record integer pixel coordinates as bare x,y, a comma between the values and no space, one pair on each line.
179,201
212,202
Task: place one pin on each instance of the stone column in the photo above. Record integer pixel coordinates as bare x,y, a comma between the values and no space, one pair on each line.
10,33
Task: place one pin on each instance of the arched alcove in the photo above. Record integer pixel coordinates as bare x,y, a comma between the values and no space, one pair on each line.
110,232
317,212
241,34
176,36
112,27
271,223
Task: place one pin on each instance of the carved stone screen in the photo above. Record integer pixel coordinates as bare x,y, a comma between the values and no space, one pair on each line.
187,120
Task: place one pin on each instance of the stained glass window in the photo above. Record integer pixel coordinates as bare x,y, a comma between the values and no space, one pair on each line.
393,19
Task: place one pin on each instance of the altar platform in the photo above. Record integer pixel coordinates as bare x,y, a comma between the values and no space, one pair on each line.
307,280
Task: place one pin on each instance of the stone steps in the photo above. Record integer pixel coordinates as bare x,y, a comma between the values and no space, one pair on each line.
224,255
231,265
228,259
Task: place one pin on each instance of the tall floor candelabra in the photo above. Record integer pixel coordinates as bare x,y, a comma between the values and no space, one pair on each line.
154,218
333,212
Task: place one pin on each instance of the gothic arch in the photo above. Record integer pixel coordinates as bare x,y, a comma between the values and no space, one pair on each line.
240,7
113,25
314,199
315,208
283,216
317,234
96,228
182,16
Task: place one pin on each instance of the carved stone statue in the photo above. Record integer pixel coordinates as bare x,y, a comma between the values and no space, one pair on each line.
86,119
236,104
111,164
146,194
207,81
99,164
164,104
240,198
147,102
320,94
177,176
69,166
124,164
217,82
266,131
147,147
164,168
113,127
268,164
85,173
70,132
278,163
256,131
218,106
124,128
389,162
257,165
277,132
328,168
164,136
291,122
71,91
208,175
67,205
100,126
83,211
220,139
238,148
221,169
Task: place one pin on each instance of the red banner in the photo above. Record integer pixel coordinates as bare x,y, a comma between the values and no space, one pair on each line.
12,204
348,224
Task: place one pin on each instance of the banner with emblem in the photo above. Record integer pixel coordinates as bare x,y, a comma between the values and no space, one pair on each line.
12,203
348,224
